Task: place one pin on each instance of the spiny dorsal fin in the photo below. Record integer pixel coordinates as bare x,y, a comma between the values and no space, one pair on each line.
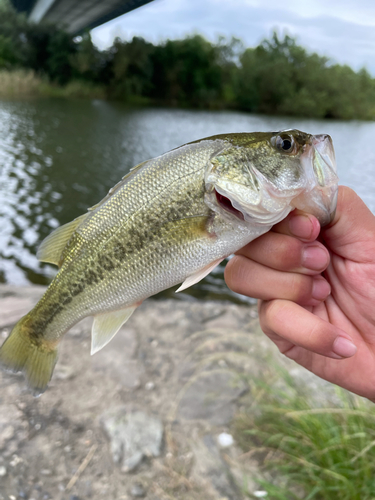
52,247
199,275
106,326
117,186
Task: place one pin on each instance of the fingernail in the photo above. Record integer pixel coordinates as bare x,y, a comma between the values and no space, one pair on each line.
301,226
320,289
344,347
315,258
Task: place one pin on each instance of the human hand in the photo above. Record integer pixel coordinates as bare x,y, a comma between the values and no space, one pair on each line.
317,297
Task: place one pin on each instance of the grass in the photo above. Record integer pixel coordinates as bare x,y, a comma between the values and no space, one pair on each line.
75,89
311,453
25,83
19,83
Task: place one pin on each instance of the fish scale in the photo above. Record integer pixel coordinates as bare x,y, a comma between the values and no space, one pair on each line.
170,220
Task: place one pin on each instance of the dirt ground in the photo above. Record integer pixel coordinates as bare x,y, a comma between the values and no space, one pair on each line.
147,417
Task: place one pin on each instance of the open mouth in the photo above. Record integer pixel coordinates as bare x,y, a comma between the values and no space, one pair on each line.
226,204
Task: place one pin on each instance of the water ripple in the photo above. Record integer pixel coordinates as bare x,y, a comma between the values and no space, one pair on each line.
58,157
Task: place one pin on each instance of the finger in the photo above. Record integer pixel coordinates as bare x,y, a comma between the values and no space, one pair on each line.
250,278
304,226
287,254
351,234
288,325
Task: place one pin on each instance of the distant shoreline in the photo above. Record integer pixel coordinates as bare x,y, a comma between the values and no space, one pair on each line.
277,77
26,84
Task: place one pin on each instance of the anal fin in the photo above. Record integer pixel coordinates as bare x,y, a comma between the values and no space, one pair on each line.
106,326
199,275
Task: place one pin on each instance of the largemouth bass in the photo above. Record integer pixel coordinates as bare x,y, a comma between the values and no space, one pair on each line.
171,220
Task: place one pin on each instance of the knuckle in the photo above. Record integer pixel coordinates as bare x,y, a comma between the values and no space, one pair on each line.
236,274
268,312
300,288
290,250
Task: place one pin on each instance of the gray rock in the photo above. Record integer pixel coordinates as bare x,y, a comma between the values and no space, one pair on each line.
137,490
133,436
212,396
7,432
63,372
213,468
11,427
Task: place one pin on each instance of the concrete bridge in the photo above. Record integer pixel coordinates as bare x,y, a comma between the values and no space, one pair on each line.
76,15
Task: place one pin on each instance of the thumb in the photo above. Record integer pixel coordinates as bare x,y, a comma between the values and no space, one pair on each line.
351,234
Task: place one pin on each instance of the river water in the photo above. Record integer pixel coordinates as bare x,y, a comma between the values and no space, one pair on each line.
58,157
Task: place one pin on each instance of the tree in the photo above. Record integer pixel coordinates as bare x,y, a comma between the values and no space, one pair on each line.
88,63
131,68
187,72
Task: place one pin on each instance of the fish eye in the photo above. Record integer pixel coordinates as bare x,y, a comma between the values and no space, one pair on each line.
285,143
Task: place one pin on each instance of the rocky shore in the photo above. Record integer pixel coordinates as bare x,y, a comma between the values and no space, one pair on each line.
149,416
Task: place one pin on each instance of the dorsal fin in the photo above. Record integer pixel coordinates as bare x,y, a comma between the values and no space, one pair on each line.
52,247
117,186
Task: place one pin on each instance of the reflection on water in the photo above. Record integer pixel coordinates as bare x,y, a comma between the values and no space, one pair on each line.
58,157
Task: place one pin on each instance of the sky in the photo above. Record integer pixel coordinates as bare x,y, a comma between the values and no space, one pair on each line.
343,30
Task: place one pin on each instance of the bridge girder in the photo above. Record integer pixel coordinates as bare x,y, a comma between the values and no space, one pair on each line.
76,16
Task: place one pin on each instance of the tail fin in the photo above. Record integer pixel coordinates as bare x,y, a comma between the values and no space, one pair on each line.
35,357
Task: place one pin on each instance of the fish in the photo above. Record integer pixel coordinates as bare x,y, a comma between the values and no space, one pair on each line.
170,220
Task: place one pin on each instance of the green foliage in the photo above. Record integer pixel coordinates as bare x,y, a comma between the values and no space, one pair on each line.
40,47
14,45
59,47
88,63
8,57
276,77
320,453
131,68
187,72
280,77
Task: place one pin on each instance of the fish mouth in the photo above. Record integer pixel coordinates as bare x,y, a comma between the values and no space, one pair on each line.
257,213
227,205
323,146
319,164
324,164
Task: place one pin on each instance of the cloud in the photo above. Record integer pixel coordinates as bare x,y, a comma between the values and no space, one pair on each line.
334,29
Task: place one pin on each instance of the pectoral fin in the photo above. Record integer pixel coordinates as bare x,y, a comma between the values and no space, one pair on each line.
199,275
106,326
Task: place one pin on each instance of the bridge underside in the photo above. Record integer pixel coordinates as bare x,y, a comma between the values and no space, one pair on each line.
76,16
